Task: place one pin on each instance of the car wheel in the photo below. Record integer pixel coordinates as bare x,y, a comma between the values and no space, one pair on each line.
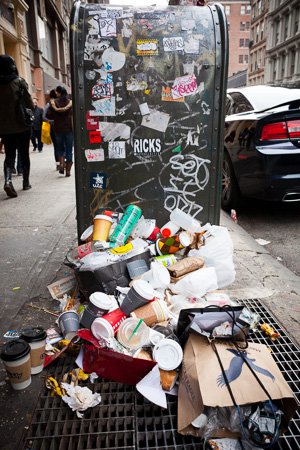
230,191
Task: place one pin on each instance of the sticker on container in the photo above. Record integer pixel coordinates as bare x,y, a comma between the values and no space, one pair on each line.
92,123
95,137
146,146
173,44
126,30
101,90
104,26
117,150
187,24
111,131
93,155
137,82
144,109
166,95
146,47
98,180
156,120
104,107
184,86
114,12
113,60
192,45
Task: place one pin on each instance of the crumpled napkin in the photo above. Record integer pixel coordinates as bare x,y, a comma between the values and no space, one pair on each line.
80,398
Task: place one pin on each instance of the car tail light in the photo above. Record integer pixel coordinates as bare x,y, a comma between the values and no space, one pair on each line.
294,129
273,131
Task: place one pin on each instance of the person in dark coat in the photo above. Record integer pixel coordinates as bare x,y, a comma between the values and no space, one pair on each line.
36,131
60,112
13,132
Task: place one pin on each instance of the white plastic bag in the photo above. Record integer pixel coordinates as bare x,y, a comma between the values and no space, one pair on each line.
218,253
196,283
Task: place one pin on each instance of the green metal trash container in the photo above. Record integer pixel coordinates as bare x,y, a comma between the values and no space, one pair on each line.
148,87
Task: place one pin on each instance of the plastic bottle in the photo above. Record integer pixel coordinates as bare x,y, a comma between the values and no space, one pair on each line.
126,224
185,221
169,229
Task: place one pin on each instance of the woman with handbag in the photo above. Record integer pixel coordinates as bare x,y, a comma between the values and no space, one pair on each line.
16,108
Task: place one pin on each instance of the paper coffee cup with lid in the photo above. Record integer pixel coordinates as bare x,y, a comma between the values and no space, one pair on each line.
36,338
138,295
16,359
168,354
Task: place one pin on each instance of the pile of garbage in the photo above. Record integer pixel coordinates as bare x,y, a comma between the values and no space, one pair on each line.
149,310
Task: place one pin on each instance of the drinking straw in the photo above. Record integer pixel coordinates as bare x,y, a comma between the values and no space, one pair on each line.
135,330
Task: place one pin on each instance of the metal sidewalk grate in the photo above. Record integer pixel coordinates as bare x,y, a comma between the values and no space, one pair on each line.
124,420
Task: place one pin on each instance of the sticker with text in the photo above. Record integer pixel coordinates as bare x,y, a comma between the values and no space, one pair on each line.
92,123
104,26
104,107
101,90
146,146
173,44
98,180
146,47
166,95
117,150
95,137
93,155
184,86
157,120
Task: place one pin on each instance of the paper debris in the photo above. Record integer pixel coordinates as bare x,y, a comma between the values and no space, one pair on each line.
150,388
61,287
80,398
262,242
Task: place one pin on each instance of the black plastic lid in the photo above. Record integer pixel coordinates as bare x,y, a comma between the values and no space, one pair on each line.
33,334
14,350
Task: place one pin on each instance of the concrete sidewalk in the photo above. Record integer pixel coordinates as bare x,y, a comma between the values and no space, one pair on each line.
36,231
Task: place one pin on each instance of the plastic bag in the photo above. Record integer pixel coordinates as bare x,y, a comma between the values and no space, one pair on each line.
218,253
46,138
196,283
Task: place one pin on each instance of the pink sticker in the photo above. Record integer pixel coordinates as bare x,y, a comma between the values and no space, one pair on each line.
184,86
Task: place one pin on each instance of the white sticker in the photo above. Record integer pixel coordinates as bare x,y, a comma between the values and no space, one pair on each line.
104,107
144,109
191,45
156,120
184,86
117,150
187,24
113,60
111,131
93,155
173,44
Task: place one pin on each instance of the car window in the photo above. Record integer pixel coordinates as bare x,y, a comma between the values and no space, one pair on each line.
239,103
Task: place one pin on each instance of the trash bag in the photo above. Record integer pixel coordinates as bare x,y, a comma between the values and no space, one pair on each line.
46,138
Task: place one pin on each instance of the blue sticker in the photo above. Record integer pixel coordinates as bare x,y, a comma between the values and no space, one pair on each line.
98,180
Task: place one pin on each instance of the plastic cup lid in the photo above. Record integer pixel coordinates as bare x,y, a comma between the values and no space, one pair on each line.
168,354
87,233
103,217
14,350
100,300
33,334
143,289
101,328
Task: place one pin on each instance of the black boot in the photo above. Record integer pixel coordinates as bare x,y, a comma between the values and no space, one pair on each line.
26,184
8,186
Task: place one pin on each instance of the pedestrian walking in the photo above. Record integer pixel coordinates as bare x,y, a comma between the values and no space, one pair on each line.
16,108
60,112
36,131
52,96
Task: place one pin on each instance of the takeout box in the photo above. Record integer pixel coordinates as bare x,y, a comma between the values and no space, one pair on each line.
112,365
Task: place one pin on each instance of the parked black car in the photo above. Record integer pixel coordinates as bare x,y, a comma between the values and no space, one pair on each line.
261,145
